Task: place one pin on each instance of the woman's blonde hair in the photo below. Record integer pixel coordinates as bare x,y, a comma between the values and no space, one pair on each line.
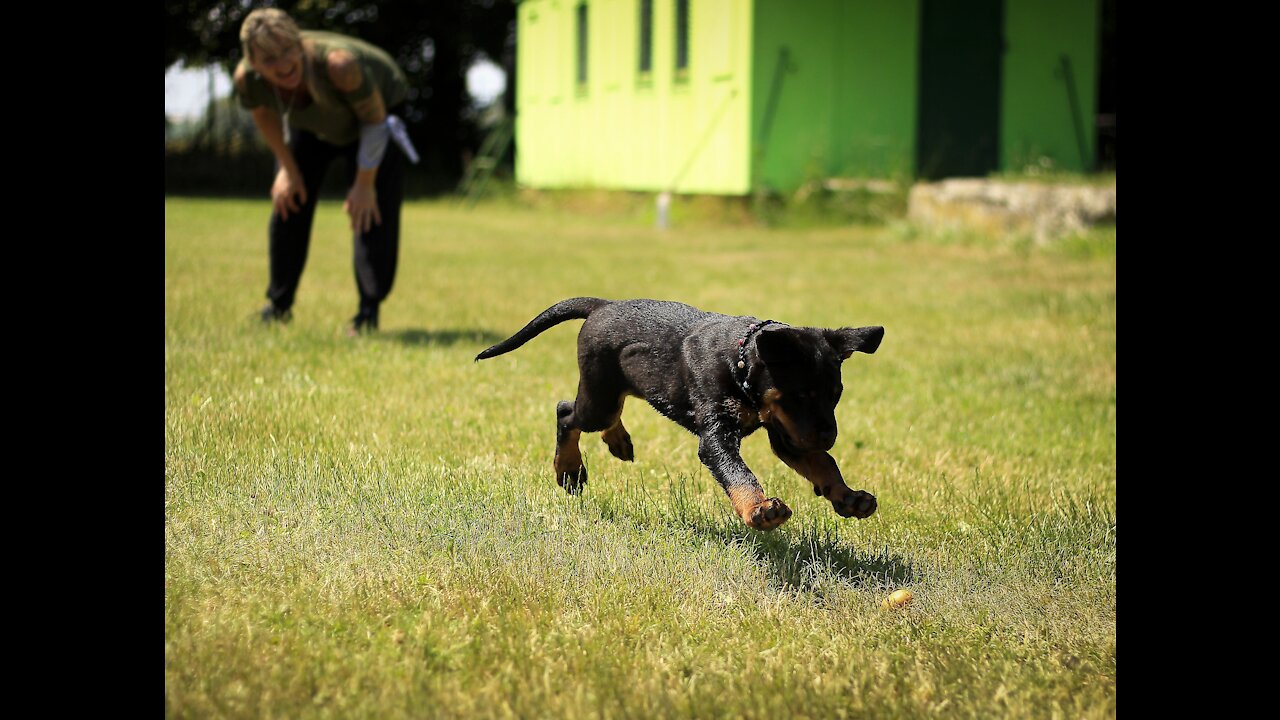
269,29
274,32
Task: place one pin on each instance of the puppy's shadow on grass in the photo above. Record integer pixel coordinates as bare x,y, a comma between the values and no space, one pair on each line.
810,558
446,337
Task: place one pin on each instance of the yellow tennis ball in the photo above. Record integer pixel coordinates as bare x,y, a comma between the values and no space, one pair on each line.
897,599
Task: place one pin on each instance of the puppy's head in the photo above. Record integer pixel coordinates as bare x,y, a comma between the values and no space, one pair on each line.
803,383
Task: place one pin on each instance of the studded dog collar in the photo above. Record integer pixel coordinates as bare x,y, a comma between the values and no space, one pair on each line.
740,370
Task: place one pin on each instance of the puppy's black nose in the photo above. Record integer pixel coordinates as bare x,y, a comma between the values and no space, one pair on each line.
827,439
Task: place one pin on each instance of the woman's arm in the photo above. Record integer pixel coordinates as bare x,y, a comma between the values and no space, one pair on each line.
348,77
288,192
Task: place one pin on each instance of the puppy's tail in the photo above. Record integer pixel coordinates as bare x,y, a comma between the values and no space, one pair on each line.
572,309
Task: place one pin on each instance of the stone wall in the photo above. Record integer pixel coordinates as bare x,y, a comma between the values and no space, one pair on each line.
1042,211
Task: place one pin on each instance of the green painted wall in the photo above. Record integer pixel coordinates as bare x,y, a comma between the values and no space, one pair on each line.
876,105
1036,114
846,103
624,131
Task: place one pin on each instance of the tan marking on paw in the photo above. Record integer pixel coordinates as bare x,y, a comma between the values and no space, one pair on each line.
851,503
570,472
756,511
619,442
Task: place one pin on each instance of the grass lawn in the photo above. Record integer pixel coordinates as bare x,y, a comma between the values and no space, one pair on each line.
371,528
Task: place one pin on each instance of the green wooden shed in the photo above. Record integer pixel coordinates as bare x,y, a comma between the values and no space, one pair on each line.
728,96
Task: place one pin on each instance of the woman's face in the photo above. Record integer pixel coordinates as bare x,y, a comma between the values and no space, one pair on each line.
282,67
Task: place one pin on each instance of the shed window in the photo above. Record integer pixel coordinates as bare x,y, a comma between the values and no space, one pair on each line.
582,43
682,37
646,37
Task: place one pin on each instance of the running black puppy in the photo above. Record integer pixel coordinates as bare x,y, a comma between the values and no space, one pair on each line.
719,377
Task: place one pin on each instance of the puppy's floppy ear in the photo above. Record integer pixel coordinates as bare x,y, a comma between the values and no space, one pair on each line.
780,346
847,341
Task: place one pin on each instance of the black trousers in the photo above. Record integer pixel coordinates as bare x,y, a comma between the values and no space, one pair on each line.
376,251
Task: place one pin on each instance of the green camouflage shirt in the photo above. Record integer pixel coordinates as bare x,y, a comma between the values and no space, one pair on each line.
330,115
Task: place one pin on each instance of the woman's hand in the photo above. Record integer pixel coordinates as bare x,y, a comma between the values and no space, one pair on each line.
288,193
362,206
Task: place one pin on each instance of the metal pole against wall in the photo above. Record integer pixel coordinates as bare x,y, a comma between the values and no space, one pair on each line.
1077,122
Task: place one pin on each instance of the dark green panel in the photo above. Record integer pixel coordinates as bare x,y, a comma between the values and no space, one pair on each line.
960,65
1106,145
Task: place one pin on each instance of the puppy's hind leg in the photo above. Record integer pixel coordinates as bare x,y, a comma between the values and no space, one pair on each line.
571,474
617,437
597,407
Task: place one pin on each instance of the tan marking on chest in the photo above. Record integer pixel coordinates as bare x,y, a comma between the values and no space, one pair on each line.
771,412
769,408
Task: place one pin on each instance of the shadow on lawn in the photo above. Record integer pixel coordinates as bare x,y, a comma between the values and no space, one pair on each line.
446,337
807,558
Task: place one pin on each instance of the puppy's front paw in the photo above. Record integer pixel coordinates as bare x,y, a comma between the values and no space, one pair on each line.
854,503
768,515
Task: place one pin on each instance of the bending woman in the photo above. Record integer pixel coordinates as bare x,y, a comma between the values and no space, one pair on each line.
317,96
